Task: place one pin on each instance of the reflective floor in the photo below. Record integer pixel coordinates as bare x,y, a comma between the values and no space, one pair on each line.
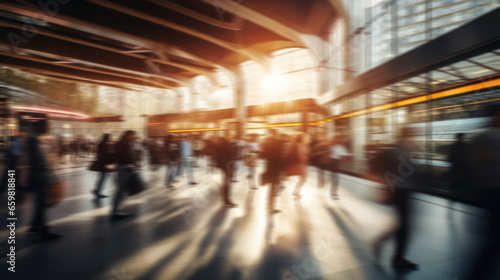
185,233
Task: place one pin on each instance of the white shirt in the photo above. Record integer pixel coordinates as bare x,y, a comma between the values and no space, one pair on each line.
337,151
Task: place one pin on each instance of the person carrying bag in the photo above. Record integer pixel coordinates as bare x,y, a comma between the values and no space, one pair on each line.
102,164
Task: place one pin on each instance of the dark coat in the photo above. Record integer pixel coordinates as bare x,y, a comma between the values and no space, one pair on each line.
274,152
104,156
38,170
124,152
225,154
172,150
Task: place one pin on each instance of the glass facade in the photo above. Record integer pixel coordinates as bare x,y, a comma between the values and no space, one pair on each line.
438,104
381,30
292,76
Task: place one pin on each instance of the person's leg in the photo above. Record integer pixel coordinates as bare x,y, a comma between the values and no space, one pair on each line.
189,171
235,171
226,189
335,181
251,177
335,184
272,196
120,189
180,168
270,201
227,183
171,168
402,232
100,183
321,176
195,159
298,187
380,240
488,255
38,222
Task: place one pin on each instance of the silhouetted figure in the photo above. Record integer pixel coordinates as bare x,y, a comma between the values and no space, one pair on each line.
486,173
41,175
126,164
104,160
240,145
337,153
155,149
320,158
185,157
225,152
252,152
172,154
198,147
273,151
401,177
210,152
13,153
459,159
298,158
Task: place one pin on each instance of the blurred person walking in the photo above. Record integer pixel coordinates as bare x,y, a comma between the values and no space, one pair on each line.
297,160
40,155
225,154
198,147
240,146
126,164
400,178
156,148
210,146
273,151
252,152
105,158
320,157
486,173
337,153
459,159
186,153
172,151
14,151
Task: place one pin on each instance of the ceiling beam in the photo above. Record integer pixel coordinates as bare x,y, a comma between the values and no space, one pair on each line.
22,60
311,42
81,80
114,34
252,54
235,25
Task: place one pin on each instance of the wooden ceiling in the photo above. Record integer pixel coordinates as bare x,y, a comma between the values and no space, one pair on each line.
155,43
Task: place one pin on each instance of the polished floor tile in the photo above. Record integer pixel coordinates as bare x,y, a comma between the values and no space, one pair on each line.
185,233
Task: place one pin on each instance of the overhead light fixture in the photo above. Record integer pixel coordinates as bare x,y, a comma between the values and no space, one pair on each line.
50,111
439,82
410,89
481,71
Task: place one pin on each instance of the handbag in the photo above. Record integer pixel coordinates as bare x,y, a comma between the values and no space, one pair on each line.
95,166
135,184
55,191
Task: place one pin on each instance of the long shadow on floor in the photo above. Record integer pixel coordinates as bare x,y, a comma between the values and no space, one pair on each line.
371,271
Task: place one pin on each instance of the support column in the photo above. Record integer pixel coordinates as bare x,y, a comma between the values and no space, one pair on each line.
124,108
193,94
305,121
240,103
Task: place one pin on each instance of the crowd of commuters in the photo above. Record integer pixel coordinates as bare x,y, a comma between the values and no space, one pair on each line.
475,165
